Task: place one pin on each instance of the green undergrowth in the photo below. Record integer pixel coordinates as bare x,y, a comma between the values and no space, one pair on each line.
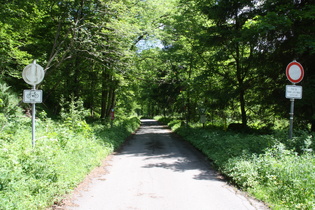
65,152
272,168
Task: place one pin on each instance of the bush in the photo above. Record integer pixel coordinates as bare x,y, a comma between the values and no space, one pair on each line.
279,176
163,120
8,101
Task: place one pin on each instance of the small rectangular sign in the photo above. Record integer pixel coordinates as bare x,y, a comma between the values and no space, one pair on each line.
293,91
32,96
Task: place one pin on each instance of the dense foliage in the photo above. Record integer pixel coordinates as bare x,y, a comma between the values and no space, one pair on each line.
274,170
229,57
86,48
164,57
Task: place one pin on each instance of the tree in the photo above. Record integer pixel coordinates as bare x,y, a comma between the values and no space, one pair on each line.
234,49
286,30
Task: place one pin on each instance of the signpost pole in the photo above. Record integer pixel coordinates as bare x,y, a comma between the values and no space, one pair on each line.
291,118
33,121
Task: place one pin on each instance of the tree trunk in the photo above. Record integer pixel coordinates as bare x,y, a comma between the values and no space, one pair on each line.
105,91
76,76
91,97
104,103
111,98
243,104
240,79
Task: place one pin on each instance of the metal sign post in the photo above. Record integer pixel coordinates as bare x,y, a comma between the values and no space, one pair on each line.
295,74
33,74
291,118
33,121
292,92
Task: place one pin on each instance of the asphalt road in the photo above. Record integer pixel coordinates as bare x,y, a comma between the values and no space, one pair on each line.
157,171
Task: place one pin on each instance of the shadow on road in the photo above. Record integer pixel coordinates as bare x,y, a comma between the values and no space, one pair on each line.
159,148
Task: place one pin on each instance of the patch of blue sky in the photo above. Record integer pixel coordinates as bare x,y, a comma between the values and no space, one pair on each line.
149,44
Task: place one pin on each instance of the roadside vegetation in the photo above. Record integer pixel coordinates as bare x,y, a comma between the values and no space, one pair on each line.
271,167
66,150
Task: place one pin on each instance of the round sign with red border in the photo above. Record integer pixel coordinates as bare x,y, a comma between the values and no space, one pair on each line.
295,72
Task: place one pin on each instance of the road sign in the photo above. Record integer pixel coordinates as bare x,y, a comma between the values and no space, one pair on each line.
33,74
294,72
32,96
293,91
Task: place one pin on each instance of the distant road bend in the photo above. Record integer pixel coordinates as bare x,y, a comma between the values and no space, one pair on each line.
157,171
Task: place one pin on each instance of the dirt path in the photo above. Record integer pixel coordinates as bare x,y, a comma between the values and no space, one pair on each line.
156,171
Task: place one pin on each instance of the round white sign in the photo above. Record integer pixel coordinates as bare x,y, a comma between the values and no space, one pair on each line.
295,72
33,74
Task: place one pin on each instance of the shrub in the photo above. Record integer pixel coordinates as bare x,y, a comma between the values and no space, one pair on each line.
8,101
280,177
164,120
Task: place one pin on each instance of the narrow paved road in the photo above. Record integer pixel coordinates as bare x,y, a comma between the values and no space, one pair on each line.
157,171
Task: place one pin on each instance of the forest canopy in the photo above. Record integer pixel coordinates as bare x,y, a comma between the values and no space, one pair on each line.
163,57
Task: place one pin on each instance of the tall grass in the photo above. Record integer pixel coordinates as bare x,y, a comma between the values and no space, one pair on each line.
272,168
